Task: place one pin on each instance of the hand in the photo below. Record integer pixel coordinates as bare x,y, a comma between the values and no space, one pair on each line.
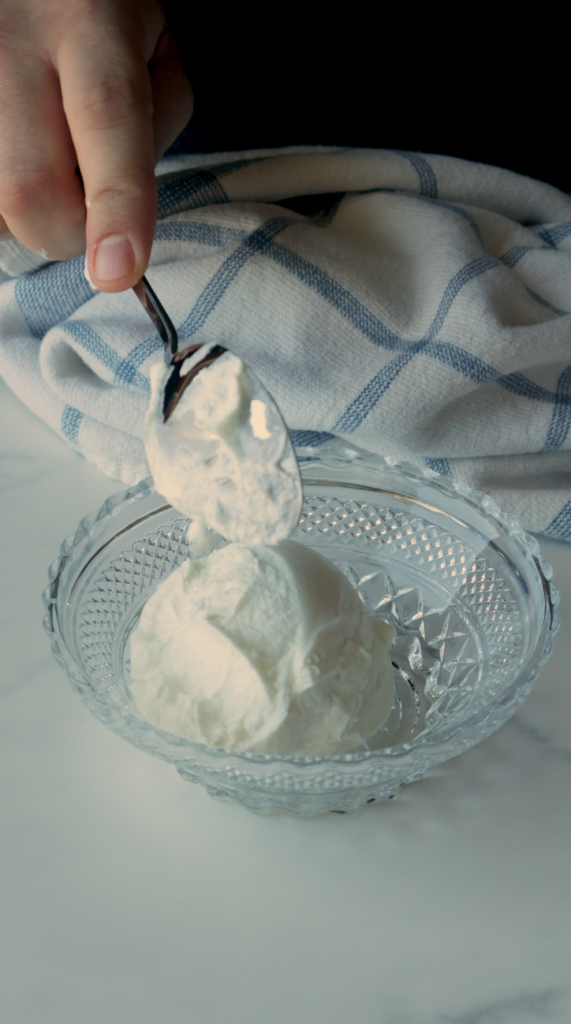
95,85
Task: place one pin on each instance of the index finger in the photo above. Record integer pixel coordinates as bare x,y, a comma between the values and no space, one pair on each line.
107,99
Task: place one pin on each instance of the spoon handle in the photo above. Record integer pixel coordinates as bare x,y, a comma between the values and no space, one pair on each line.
159,316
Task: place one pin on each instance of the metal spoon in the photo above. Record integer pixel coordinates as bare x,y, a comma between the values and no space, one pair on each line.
173,356
204,355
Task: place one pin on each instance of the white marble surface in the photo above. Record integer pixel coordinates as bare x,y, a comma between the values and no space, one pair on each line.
129,895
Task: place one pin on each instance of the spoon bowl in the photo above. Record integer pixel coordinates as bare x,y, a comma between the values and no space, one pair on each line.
261,456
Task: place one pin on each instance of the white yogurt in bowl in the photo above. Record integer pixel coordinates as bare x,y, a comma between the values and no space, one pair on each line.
266,649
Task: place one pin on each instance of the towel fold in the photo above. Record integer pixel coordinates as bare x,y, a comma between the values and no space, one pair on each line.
416,305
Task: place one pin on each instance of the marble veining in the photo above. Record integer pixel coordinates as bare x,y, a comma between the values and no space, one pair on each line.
545,742
534,1006
17,469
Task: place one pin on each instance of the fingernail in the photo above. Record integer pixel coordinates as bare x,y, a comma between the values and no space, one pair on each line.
88,275
114,258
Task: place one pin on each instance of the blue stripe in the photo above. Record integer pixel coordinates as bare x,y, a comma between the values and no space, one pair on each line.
462,277
50,295
521,385
441,466
203,234
70,423
189,189
363,404
220,282
481,372
310,438
127,370
512,257
517,252
545,303
561,415
560,526
184,190
90,341
426,176
554,234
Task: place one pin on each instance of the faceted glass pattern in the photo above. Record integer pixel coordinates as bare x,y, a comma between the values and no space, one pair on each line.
465,587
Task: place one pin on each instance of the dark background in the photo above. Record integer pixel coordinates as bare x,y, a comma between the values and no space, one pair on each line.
473,90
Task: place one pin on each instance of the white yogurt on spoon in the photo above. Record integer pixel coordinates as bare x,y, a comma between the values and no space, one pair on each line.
224,456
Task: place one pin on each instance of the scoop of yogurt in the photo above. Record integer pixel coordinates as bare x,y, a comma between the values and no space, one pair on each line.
264,649
224,456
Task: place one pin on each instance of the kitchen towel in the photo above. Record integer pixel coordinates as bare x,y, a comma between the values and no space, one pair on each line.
416,305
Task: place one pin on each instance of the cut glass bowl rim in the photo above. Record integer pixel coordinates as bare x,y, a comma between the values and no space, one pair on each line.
335,454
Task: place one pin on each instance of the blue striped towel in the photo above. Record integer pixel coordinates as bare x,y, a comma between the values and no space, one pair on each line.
416,305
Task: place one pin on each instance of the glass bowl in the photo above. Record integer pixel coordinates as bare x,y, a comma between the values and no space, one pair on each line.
464,585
